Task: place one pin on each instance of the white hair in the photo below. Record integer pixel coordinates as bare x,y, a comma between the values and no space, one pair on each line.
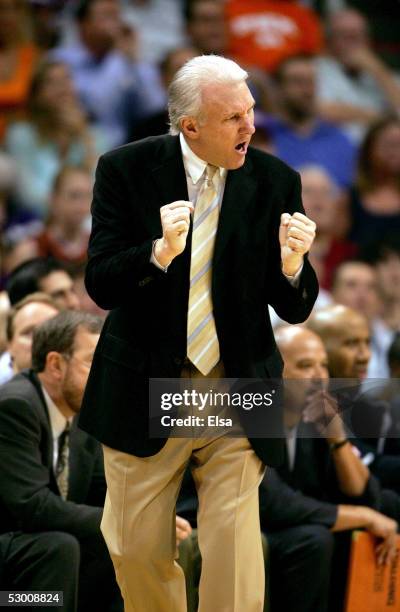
185,90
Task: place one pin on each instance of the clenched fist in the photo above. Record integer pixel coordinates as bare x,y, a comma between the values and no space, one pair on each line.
296,235
175,221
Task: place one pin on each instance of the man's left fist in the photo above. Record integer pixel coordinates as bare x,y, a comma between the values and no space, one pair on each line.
296,235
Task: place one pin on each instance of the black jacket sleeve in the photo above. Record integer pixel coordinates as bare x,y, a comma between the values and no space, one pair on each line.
25,495
281,506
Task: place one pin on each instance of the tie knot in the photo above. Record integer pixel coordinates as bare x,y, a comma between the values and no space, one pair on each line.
210,173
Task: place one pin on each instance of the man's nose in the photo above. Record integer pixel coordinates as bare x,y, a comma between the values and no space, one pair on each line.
248,125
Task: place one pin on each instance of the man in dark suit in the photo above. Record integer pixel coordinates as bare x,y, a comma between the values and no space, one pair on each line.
52,484
190,298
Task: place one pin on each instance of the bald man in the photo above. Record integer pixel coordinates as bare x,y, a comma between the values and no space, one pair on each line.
346,337
320,469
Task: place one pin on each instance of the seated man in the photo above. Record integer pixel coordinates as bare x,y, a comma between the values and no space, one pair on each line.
52,481
322,486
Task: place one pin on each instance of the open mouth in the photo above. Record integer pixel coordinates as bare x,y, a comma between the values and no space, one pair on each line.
241,147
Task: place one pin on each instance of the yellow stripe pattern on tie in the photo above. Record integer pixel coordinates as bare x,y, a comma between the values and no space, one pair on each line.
202,340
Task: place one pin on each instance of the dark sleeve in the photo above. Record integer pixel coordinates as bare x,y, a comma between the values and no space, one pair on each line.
292,304
281,506
118,265
24,479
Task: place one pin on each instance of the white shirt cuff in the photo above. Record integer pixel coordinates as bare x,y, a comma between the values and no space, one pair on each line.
154,261
295,279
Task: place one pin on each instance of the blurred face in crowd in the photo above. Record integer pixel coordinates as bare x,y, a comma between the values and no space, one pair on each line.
56,88
207,29
319,196
176,59
77,367
297,89
102,26
26,320
348,346
70,204
355,286
348,33
385,151
305,363
59,286
222,132
10,14
388,277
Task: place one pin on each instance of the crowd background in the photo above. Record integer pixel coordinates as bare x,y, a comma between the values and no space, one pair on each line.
78,78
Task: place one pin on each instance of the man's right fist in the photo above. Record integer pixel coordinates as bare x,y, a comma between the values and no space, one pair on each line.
175,221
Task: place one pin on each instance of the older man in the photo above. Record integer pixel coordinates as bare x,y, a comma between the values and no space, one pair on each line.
189,296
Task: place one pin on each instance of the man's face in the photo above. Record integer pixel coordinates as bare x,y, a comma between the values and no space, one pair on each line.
207,28
319,199
225,126
306,363
103,23
71,203
25,321
356,288
349,33
388,275
349,348
78,367
298,89
59,286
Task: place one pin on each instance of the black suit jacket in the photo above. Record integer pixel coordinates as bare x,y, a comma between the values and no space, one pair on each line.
145,333
29,496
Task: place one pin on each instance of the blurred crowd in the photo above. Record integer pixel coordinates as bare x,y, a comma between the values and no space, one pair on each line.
78,78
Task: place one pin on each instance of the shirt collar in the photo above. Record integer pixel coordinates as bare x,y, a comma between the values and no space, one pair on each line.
195,166
58,421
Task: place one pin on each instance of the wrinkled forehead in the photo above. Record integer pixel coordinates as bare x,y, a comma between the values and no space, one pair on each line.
226,97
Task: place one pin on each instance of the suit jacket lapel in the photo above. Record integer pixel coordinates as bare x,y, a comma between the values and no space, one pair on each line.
239,191
169,173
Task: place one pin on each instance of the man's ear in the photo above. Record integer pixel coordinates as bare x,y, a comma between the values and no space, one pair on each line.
55,365
190,128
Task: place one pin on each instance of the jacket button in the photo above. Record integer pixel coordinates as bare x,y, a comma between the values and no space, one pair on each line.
144,282
178,361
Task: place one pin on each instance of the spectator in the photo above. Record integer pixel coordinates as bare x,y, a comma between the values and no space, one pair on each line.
375,200
22,320
114,88
355,285
298,134
264,33
322,479
57,133
66,235
322,203
345,334
159,24
45,275
354,85
46,21
205,25
52,473
18,57
158,123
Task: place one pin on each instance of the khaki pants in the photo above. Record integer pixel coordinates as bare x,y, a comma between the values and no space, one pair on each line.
139,523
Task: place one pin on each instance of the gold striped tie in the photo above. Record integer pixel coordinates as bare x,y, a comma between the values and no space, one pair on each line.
202,341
